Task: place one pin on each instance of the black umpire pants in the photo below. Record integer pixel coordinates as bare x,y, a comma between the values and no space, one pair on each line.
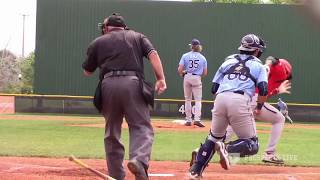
122,98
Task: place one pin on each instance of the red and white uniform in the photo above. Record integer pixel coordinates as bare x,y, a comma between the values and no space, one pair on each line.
277,74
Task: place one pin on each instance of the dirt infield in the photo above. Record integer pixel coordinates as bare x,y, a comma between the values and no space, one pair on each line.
22,168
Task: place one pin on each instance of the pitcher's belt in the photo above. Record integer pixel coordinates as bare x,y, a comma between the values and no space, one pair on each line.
194,74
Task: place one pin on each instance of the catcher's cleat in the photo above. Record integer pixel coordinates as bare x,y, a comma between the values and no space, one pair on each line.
194,176
198,123
195,171
272,158
138,170
224,160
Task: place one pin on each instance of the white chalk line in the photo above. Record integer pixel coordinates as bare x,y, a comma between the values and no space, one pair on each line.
286,174
267,174
25,166
161,175
12,169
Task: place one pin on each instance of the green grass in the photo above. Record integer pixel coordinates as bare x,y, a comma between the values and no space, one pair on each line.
52,138
49,139
298,147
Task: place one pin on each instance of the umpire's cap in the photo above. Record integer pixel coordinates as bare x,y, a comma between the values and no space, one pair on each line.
251,42
115,19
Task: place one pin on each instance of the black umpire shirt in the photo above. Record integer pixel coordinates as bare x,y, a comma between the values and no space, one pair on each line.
118,50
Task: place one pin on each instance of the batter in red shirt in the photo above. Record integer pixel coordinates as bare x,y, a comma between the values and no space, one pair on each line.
280,71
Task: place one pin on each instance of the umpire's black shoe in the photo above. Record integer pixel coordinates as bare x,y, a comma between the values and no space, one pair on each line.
198,123
138,170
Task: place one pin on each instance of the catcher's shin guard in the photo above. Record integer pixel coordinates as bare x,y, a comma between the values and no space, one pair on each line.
244,147
203,157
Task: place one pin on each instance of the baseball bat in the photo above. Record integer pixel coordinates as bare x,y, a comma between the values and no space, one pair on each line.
100,174
289,118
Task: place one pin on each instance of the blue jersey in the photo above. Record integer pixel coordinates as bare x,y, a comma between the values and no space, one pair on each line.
234,82
193,62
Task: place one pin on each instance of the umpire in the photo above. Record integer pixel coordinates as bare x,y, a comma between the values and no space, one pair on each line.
119,53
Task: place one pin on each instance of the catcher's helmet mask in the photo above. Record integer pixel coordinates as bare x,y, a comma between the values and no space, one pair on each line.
251,42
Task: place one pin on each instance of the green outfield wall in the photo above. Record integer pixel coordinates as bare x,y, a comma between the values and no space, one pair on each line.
66,27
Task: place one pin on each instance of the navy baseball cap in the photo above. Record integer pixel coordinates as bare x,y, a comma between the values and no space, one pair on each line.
194,42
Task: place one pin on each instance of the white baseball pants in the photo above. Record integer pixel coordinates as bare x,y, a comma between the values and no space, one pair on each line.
268,114
192,85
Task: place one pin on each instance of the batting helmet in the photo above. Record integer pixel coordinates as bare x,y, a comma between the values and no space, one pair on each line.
272,60
251,42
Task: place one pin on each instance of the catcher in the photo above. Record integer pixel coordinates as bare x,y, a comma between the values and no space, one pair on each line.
279,76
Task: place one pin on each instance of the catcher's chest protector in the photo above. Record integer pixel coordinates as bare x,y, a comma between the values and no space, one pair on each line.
240,70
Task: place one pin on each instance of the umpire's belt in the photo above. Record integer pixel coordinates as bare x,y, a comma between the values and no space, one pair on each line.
120,73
